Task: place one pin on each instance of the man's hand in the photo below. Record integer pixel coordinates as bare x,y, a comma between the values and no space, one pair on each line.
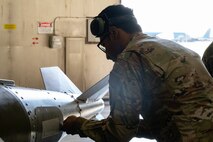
69,125
72,125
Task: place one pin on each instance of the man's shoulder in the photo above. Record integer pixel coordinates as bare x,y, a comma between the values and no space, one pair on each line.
126,55
142,47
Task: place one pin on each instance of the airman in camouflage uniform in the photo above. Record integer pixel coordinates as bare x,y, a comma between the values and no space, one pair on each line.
208,58
159,79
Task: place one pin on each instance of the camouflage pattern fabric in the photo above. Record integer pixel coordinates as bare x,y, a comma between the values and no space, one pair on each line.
208,58
164,82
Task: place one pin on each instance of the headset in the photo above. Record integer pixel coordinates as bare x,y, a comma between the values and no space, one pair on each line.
100,24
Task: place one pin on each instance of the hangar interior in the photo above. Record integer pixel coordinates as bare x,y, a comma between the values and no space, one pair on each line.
46,33
40,33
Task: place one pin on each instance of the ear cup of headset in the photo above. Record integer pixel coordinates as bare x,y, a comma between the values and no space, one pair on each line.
97,26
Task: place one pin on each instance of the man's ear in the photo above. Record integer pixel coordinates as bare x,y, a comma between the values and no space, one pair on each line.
113,33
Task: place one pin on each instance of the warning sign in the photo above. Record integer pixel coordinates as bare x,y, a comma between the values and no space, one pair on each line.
45,27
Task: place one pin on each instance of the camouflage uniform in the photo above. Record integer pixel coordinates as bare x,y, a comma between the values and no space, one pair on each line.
208,58
164,82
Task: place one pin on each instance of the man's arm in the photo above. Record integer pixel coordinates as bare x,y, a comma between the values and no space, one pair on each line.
125,102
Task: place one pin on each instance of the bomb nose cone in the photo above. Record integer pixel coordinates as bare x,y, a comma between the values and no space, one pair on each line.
14,122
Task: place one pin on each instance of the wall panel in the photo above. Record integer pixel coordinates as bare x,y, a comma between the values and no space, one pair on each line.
23,50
